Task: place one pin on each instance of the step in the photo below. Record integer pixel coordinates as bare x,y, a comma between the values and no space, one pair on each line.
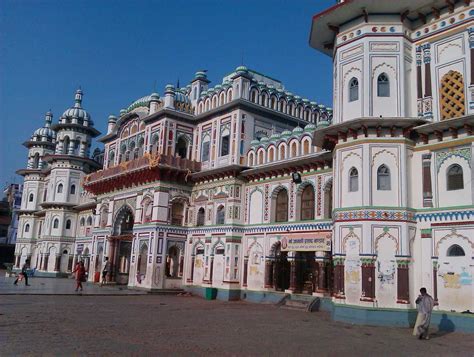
165,291
297,304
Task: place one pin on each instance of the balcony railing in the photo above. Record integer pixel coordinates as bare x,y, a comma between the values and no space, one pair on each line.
147,161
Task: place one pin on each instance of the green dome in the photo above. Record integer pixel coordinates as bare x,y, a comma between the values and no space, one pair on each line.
298,130
286,133
254,142
310,127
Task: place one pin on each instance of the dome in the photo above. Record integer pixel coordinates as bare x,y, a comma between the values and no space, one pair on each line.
241,69
298,130
140,102
264,140
254,142
275,137
286,133
45,133
77,112
310,127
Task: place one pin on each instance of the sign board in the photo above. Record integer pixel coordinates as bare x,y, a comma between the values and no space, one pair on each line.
306,242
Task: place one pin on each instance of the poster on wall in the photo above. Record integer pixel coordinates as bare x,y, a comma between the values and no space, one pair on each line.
306,242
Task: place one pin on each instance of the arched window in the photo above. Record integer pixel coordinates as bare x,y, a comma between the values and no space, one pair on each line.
36,161
281,206
353,89
383,85
68,224
66,143
294,149
181,148
205,149
154,144
383,178
177,213
111,158
201,216
82,222
27,228
307,203
455,251
104,213
30,198
141,144
282,152
225,141
73,190
455,179
220,215
60,188
89,221
353,180
56,223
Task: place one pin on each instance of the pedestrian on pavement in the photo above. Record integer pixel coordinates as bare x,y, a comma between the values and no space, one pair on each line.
105,271
424,305
23,273
80,271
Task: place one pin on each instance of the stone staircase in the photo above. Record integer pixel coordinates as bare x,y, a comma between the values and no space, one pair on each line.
165,291
306,303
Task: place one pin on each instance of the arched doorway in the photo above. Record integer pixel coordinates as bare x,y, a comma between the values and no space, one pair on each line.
172,262
218,266
121,245
305,265
281,269
181,149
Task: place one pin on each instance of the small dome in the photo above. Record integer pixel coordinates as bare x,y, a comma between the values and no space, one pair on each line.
77,112
274,137
310,127
264,140
241,69
112,119
254,142
286,133
200,75
123,112
154,96
45,133
297,130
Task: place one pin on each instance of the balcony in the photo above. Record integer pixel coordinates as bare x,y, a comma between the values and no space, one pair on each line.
144,169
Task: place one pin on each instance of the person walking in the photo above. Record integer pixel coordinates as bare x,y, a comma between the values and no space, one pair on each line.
80,271
23,273
105,271
424,305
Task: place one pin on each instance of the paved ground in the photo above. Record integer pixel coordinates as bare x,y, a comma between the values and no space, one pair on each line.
172,325
51,286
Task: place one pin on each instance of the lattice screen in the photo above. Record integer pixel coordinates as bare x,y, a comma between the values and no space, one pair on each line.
452,95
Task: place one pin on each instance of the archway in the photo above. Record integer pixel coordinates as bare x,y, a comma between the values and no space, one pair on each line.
304,262
121,245
281,269
172,262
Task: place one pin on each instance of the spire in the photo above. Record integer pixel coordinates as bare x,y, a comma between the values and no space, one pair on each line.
78,98
48,119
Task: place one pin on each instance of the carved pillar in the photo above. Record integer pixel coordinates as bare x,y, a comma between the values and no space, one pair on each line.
293,275
419,82
428,98
246,263
471,85
426,175
435,280
212,270
268,273
190,278
403,294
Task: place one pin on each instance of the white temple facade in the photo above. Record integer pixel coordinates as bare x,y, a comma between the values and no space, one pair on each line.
261,194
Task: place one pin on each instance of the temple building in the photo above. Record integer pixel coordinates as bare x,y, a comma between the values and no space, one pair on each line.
263,195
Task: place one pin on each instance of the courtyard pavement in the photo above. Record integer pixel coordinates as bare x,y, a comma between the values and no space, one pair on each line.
162,325
58,286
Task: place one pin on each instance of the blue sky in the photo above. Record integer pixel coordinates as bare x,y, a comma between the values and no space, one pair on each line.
117,50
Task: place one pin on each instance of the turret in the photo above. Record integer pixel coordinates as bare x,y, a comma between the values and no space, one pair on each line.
199,84
112,122
169,96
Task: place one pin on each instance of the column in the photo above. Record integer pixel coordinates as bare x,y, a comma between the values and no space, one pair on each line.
403,295
419,83
435,281
268,273
190,278
40,266
17,264
338,290
45,262
246,263
426,175
471,84
322,277
70,263
428,98
315,276
212,269
293,275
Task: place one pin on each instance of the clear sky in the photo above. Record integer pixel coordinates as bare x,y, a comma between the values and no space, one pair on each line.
117,50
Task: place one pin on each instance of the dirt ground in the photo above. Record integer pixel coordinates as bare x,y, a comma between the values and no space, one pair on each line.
172,325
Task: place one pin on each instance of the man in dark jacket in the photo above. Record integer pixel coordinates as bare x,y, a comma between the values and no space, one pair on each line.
24,269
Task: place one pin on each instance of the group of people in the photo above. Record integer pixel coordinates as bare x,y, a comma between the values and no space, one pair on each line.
80,273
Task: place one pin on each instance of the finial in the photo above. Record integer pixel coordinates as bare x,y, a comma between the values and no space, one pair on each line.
48,119
78,98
